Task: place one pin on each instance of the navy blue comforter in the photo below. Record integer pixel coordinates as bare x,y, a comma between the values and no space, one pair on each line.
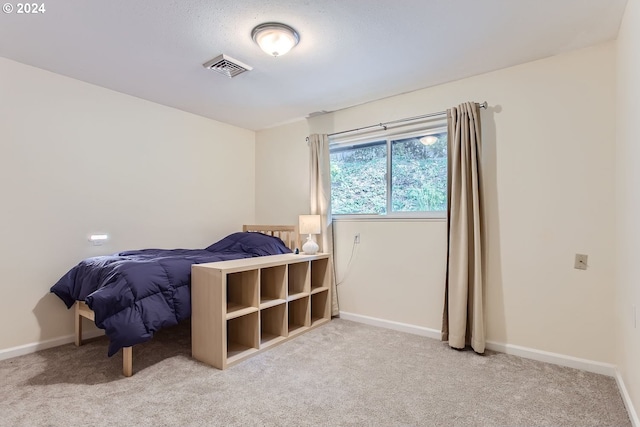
135,293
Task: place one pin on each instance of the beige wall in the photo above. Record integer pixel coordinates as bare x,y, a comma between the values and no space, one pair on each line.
282,174
77,159
628,202
548,162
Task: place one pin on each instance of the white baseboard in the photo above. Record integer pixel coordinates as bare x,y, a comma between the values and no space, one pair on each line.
525,352
633,415
21,350
389,324
554,358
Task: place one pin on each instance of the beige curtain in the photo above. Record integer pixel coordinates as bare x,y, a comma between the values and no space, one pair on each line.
320,192
463,318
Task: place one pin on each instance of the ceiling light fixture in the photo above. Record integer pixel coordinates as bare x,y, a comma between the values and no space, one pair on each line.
274,38
429,140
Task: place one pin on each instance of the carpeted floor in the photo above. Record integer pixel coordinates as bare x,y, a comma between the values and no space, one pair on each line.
340,374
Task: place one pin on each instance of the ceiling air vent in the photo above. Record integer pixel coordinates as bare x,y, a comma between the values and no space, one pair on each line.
226,65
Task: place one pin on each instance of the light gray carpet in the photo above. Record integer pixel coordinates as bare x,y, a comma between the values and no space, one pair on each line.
340,374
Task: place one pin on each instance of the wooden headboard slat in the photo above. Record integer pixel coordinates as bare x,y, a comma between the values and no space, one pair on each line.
287,233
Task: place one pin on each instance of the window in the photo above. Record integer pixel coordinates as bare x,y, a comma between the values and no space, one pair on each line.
402,175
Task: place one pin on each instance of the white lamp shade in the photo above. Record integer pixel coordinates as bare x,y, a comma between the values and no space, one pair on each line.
309,224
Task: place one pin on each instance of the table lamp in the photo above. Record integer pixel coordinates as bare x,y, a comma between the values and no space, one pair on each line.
310,224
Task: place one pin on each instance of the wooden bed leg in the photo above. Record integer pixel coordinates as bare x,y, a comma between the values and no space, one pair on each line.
78,324
127,361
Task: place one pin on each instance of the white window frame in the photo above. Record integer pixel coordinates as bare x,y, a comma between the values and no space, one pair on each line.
389,135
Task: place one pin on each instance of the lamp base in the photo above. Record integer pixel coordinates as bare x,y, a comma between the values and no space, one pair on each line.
310,247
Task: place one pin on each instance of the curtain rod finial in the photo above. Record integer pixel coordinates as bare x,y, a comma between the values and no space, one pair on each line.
483,104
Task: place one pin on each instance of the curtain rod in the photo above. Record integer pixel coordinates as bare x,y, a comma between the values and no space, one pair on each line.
384,125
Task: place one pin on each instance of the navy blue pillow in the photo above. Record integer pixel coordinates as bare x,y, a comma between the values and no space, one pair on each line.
250,242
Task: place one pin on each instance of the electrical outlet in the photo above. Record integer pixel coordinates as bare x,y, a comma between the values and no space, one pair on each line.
581,262
356,239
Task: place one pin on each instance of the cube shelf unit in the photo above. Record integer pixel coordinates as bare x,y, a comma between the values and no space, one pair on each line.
242,307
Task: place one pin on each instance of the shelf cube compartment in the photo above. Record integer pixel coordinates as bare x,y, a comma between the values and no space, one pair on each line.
299,315
242,292
273,325
242,336
273,285
320,274
320,307
299,282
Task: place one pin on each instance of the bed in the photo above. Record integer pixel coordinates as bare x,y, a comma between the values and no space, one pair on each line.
133,294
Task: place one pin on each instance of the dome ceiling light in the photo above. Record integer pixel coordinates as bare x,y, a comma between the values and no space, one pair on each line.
429,140
274,38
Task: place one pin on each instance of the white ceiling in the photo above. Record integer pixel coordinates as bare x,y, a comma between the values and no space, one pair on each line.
350,51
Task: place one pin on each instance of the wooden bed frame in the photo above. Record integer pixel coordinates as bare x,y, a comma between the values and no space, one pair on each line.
287,233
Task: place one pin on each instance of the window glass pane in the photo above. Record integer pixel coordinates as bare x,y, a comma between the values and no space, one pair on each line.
419,174
358,183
